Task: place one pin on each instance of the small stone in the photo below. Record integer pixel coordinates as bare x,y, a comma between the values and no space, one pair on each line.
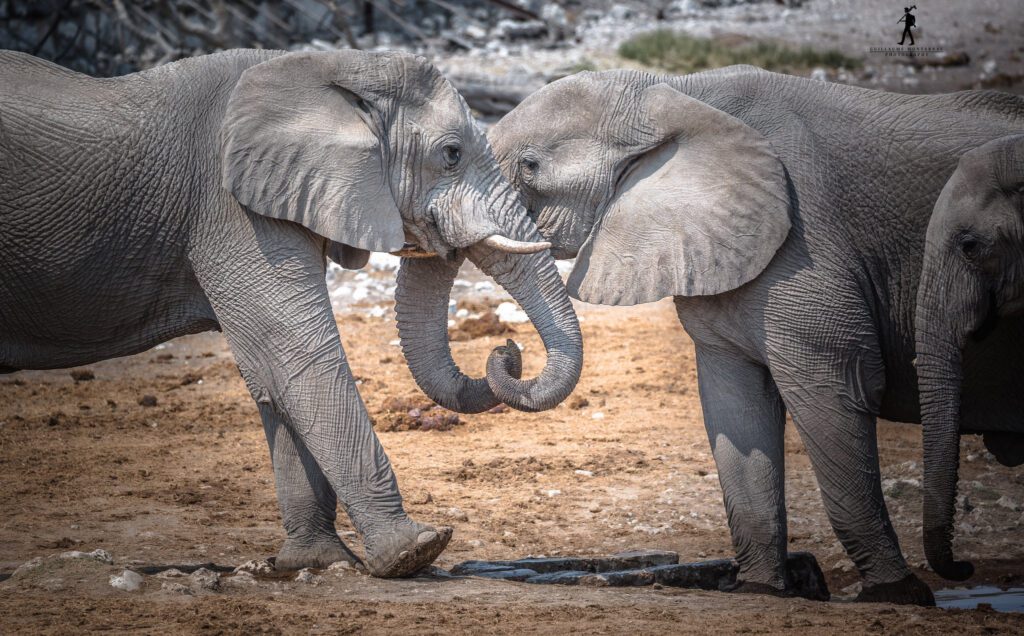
82,375
177,588
578,402
256,566
204,579
475,543
307,577
147,400
341,568
458,514
1006,502
172,573
28,566
127,581
584,473
554,492
597,415
241,578
594,507
98,554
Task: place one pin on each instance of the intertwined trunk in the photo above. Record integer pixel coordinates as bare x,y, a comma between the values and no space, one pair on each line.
421,304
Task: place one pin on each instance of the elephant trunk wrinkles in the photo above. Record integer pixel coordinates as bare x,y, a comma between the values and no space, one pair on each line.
421,305
941,333
534,282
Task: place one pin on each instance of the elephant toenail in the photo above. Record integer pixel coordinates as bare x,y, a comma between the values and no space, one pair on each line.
426,537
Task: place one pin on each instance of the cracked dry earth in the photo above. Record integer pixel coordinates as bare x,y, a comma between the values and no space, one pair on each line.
623,465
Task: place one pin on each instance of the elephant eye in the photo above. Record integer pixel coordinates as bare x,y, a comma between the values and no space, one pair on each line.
452,155
528,167
969,247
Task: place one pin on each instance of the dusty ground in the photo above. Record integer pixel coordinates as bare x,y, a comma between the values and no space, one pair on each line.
84,465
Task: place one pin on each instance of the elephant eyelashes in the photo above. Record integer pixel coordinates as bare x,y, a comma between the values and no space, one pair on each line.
452,155
969,247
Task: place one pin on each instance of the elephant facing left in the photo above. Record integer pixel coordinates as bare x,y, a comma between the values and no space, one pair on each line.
206,194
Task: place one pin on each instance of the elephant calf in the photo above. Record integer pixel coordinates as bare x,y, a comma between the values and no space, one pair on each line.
970,320
787,217
205,194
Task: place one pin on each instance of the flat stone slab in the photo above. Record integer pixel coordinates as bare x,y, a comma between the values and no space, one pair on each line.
803,576
510,574
546,565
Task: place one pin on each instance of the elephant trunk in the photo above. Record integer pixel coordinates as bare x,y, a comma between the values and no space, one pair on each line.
941,332
421,306
519,261
534,282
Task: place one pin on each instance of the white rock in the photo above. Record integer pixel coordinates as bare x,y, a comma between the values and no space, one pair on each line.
484,286
989,67
172,573
457,514
308,578
177,588
511,313
241,578
475,543
597,415
462,313
819,75
29,565
205,579
554,492
126,581
98,554
1008,503
584,473
341,568
256,566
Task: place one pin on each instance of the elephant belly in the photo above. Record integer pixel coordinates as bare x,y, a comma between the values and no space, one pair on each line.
97,325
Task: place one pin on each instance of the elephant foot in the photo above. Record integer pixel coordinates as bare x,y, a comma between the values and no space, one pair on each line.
751,587
405,551
295,555
907,591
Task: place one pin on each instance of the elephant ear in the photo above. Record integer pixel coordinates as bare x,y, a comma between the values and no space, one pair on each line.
303,142
700,211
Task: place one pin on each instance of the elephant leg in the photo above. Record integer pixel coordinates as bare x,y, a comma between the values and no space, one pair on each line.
840,438
265,281
745,421
307,501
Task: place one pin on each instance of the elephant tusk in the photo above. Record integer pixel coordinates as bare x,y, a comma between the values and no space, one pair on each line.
411,250
505,244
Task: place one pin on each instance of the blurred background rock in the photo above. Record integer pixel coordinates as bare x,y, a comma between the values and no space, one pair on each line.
499,51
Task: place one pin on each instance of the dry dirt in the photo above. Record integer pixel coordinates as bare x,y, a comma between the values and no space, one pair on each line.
85,464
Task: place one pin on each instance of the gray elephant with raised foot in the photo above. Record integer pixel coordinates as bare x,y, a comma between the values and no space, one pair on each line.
787,218
205,194
970,330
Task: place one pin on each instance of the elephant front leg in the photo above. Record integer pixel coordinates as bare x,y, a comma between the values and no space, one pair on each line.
271,302
307,501
745,420
840,437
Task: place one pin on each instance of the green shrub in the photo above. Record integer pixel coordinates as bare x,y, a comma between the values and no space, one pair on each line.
680,53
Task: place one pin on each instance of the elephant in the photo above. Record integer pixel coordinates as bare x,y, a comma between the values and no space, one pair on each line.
208,193
786,217
970,308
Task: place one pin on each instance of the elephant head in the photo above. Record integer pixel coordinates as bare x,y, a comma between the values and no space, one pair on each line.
973,273
378,152
654,192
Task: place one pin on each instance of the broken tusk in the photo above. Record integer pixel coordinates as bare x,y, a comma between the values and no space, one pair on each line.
505,244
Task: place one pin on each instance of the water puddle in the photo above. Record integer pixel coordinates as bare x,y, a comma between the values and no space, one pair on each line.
1008,600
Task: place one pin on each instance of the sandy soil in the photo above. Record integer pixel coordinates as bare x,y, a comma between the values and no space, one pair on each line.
624,464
